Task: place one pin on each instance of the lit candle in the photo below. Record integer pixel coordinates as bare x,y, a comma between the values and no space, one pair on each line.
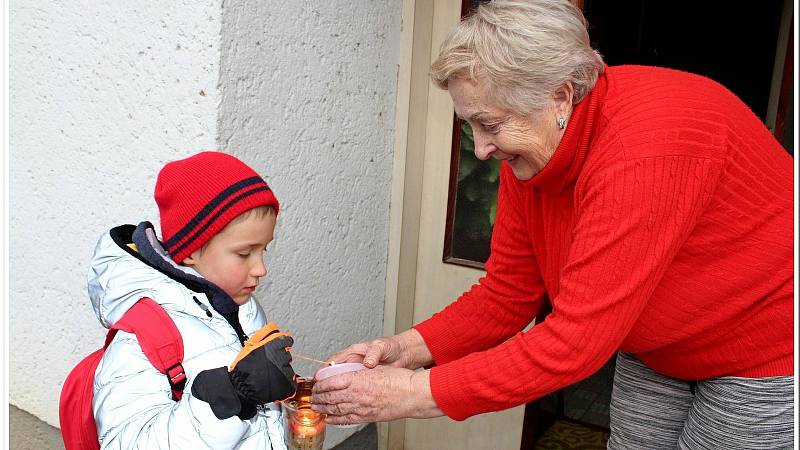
305,427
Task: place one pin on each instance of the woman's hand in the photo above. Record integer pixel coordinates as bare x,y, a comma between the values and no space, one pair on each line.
375,395
406,350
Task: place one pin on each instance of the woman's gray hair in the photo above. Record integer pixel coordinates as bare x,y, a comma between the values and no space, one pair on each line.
523,52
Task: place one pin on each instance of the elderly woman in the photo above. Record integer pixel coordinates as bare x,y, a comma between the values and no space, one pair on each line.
650,205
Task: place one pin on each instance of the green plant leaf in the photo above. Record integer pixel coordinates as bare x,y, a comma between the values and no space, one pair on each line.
494,173
493,211
466,166
476,200
467,140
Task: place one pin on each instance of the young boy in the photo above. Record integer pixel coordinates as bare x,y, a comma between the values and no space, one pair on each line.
217,218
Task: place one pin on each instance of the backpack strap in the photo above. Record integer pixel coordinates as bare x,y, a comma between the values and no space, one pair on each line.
159,339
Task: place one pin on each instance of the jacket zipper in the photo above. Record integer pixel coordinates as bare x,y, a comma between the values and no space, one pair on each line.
202,306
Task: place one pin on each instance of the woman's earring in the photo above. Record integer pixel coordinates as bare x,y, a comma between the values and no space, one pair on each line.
562,122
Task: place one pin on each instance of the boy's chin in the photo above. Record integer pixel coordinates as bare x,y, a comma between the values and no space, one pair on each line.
241,299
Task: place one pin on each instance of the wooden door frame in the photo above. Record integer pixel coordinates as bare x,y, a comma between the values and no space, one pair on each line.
782,73
419,119
407,173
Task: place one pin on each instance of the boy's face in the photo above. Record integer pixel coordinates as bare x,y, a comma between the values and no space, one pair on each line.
233,259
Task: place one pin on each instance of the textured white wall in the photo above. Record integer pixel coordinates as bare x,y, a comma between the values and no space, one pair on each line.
102,93
308,98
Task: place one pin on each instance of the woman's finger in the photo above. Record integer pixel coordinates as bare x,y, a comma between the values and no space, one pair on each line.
323,402
376,352
353,353
339,409
348,419
332,384
336,408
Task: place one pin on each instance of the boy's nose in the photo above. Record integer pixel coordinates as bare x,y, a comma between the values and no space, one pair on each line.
260,269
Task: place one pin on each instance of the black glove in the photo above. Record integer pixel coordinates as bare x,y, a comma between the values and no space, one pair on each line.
264,374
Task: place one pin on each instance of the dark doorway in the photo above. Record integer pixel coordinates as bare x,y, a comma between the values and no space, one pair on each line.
732,43
573,418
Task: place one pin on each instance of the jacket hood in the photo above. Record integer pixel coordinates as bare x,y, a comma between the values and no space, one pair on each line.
130,263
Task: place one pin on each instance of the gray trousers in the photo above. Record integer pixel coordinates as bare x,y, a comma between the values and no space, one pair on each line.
650,411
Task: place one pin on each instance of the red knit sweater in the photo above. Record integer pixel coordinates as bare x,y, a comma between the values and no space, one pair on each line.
662,226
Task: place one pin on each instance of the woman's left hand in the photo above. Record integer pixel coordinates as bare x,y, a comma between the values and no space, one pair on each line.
375,395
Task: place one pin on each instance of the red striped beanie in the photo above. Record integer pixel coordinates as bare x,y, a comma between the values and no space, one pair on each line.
199,195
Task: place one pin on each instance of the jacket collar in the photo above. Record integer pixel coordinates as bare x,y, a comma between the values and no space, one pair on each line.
154,254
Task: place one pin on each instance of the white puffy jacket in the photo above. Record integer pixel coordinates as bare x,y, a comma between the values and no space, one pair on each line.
133,406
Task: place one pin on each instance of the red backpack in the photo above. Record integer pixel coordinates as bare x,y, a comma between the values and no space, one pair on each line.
161,343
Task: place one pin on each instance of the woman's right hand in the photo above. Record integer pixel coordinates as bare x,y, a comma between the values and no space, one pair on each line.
406,350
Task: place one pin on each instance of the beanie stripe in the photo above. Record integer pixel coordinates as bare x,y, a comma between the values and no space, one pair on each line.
195,221
200,231
202,216
222,210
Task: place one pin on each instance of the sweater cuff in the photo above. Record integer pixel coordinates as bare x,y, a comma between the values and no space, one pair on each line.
440,340
447,388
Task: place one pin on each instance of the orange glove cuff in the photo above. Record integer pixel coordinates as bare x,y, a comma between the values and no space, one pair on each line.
260,338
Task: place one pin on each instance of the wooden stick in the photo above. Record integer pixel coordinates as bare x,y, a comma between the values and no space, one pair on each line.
327,363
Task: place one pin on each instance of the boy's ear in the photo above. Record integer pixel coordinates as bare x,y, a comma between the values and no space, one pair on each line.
190,260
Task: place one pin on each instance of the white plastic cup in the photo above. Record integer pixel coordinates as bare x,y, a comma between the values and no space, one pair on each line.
338,369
